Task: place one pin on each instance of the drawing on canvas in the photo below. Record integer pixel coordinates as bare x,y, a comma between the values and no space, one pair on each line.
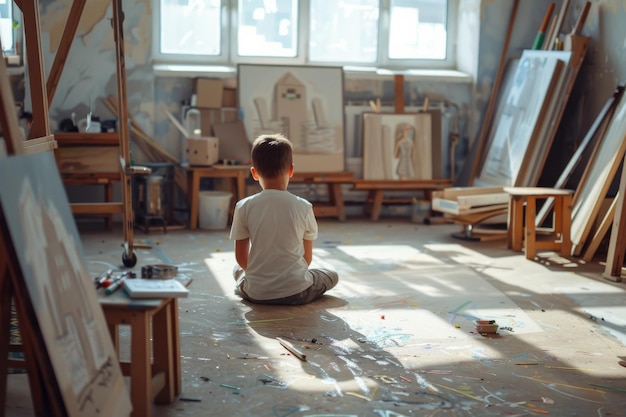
397,146
44,237
303,103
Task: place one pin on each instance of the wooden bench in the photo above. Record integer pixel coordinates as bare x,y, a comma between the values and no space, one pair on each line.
377,189
333,180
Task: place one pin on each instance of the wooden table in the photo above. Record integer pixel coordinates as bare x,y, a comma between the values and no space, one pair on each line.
154,334
377,188
238,174
333,180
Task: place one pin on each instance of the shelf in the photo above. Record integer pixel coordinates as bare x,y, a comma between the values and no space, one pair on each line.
87,139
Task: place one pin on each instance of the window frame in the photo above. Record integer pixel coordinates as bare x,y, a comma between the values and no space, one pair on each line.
16,14
229,31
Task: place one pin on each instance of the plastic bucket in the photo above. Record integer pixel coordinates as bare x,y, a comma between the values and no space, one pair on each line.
214,209
420,210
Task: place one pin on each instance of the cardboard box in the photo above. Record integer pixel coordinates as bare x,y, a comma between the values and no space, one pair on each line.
210,117
209,93
202,150
229,97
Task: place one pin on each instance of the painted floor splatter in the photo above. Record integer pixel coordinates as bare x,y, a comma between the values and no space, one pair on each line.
396,337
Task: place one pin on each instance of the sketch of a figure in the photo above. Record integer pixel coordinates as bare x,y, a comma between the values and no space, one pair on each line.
403,151
397,146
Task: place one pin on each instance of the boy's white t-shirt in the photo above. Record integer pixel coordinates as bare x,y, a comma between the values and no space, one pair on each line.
276,222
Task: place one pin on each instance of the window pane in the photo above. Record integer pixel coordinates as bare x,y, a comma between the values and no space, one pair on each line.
268,28
417,29
6,25
190,27
344,31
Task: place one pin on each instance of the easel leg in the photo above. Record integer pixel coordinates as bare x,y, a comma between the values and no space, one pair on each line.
35,379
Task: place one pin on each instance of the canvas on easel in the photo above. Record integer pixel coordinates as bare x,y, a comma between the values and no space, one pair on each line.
397,146
46,262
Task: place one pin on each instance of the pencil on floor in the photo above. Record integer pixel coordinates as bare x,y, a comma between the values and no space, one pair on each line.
291,348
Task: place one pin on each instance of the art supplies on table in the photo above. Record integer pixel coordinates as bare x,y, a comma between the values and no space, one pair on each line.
154,288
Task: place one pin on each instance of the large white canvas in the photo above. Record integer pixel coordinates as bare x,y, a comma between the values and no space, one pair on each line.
43,236
518,119
303,103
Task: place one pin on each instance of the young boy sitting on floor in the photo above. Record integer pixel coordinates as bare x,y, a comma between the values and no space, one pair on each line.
274,231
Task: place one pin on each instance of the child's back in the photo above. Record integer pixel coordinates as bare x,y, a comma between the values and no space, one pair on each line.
274,232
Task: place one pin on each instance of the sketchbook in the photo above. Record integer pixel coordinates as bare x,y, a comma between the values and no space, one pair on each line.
154,288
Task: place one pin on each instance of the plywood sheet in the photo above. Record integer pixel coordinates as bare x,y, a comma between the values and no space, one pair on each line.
598,177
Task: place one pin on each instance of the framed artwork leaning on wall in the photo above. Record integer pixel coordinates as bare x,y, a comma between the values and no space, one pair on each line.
397,146
305,103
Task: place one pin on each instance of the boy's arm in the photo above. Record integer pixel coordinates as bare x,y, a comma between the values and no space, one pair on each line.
242,248
308,250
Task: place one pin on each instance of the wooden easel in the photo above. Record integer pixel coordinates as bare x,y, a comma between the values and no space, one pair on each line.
45,392
42,93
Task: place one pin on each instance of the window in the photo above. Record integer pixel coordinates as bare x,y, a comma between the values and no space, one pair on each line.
190,27
7,26
347,32
267,28
417,29
371,33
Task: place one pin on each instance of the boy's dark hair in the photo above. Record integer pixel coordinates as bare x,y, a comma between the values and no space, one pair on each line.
271,155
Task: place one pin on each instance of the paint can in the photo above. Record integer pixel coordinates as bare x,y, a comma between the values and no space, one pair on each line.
486,326
164,271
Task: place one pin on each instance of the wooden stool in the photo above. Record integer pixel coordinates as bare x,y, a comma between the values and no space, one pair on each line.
522,231
154,367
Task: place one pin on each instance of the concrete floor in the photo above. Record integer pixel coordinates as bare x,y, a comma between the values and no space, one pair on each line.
396,336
